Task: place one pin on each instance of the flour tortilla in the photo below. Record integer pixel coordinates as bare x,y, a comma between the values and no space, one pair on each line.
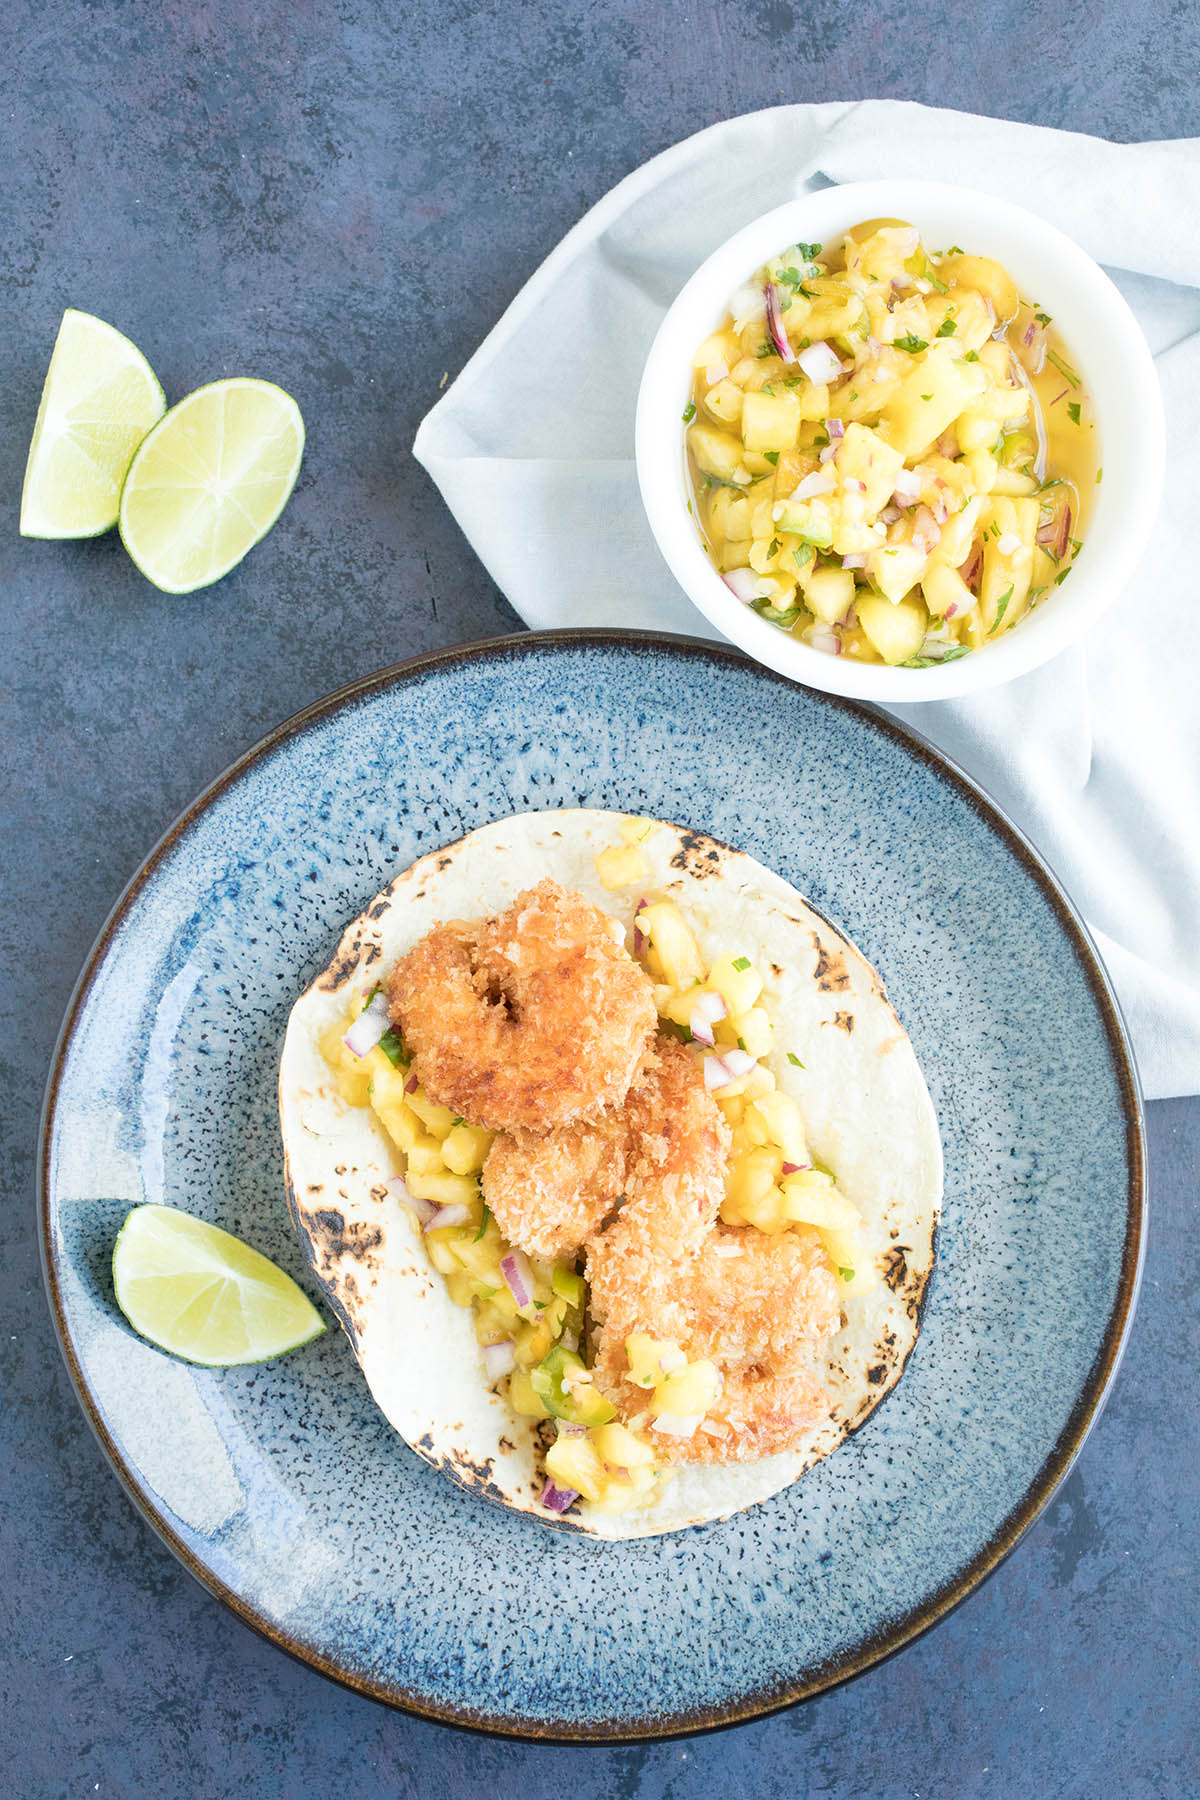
866,1107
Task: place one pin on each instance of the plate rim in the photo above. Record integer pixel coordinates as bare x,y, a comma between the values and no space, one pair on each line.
885,1643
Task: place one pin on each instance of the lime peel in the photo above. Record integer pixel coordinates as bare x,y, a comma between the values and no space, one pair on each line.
204,1295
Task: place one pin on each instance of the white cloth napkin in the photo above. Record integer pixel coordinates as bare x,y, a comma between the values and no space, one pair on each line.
1096,756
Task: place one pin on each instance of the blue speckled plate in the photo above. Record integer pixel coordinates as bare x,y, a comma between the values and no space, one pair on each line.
284,1490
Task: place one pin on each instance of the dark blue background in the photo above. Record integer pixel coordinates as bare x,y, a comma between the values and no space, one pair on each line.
342,196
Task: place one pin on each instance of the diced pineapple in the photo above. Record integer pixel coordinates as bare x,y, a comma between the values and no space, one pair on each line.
738,982
440,1252
867,467
1005,578
770,421
872,386
692,1389
402,1126
811,1198
387,1081
881,256
721,347
897,568
752,1175
985,277
828,592
672,943
856,1269
621,865
425,1157
751,1031
946,593
969,314
572,1462
931,396
765,1213
465,1148
897,631
812,521
436,1119
782,1123
724,402
716,452
646,1356
616,1445
729,513
523,1399
442,1188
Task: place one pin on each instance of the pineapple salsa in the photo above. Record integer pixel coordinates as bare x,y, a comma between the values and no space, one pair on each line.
530,1314
891,454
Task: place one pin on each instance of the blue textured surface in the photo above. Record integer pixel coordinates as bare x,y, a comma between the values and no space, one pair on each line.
275,1481
343,199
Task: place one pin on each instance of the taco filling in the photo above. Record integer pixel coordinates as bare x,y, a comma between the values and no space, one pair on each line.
600,1162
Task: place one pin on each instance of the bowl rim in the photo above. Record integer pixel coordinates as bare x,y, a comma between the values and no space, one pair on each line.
1089,1402
1123,385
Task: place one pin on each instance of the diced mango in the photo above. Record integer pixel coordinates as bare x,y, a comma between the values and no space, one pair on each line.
770,421
897,631
621,1448
716,452
572,1462
828,592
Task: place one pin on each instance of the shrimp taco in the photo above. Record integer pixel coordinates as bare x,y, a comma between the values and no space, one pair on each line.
617,1167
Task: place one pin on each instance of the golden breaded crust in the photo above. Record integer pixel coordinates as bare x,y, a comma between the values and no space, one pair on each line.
528,1021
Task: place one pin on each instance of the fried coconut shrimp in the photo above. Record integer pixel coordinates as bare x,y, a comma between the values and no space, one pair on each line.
528,1021
751,1303
550,1192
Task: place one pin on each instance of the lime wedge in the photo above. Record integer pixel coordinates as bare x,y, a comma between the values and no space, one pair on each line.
202,1294
209,481
99,400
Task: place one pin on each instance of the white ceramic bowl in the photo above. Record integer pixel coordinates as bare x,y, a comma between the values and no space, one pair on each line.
1106,346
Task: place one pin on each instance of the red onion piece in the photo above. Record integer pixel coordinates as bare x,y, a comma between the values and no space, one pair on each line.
824,638
1055,534
890,514
820,362
907,488
969,569
827,453
854,562
412,1084
518,1276
710,1006
700,1028
779,336
369,1027
448,1215
951,610
747,585
835,428
499,1359
423,1209
820,481
556,1499
716,372
789,1168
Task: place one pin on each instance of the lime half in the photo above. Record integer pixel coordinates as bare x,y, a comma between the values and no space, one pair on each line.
209,481
99,400
205,1295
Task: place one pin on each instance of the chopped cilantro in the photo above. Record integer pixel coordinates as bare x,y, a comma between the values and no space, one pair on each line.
911,343
742,1044
774,615
689,412
971,356
1043,318
484,1225
771,456
853,394
1073,411
1001,609
1062,575
764,350
1099,476
820,440
792,1058
954,250
773,547
742,963
934,662
809,252
927,396
1064,369
392,1047
803,556
947,328
846,1274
